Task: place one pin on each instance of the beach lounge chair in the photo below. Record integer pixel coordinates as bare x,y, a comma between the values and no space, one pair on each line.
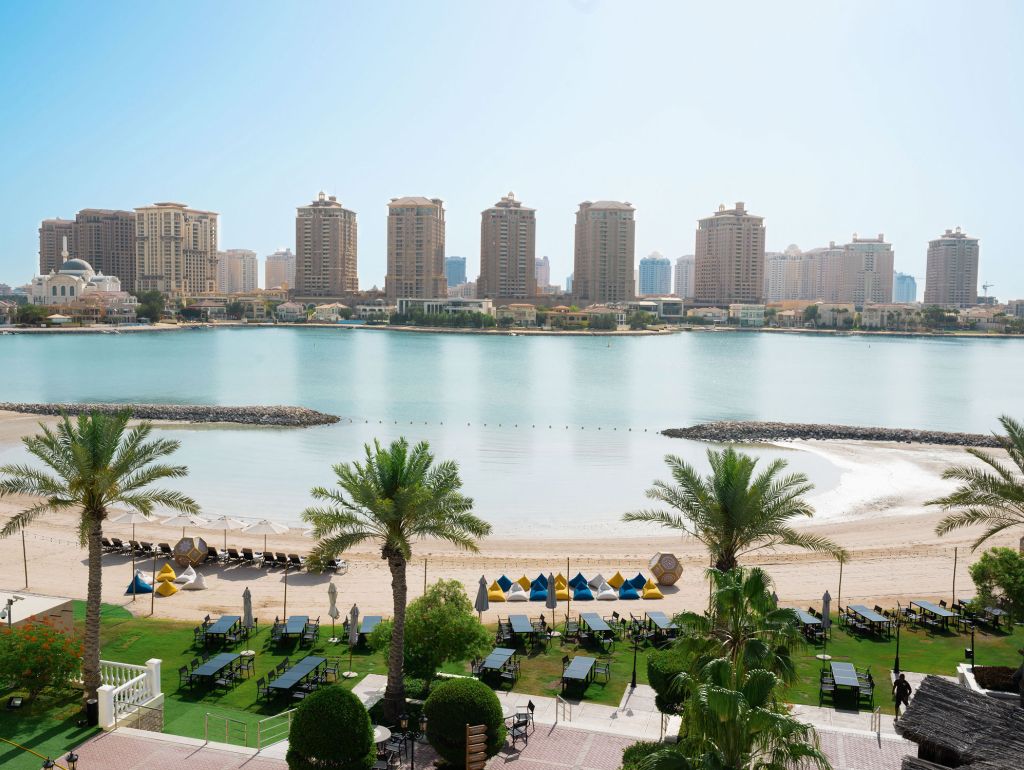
582,593
517,593
233,556
165,549
651,591
248,557
296,561
119,546
628,592
212,554
525,582
108,547
270,560
605,593
282,560
494,593
504,582
134,547
339,566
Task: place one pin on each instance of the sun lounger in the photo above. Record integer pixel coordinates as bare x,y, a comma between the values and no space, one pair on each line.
247,557
296,561
282,560
165,549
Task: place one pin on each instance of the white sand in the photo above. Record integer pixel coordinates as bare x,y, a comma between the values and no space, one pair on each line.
877,513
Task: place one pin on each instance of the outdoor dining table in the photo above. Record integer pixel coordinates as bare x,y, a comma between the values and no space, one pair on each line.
878,622
223,626
937,611
369,623
579,670
297,673
844,675
660,621
216,664
497,659
807,618
520,624
381,734
994,613
595,623
295,625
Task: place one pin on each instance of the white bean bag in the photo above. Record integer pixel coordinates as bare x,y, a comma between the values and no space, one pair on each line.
198,584
605,593
518,594
186,576
596,581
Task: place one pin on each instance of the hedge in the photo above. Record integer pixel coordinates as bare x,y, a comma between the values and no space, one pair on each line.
451,706
331,731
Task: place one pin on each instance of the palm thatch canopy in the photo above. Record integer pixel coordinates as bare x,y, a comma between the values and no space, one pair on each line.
955,727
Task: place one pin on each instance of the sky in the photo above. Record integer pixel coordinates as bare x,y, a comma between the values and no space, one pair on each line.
826,118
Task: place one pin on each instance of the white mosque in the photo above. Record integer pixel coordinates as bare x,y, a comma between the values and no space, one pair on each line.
74,280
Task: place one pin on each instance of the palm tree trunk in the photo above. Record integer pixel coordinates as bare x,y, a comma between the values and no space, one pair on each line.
725,562
394,693
91,654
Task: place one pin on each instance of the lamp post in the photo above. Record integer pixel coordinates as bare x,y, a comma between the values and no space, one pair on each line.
413,735
632,682
48,764
969,653
899,615
71,760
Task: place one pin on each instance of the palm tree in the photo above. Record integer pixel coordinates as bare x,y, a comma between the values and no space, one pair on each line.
97,462
733,720
394,497
992,496
731,512
743,624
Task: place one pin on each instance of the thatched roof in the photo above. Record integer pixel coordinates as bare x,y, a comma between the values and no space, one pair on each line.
955,727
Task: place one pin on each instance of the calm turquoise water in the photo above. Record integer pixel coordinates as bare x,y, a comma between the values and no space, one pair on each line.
497,396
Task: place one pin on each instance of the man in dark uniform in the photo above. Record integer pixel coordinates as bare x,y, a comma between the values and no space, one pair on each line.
901,690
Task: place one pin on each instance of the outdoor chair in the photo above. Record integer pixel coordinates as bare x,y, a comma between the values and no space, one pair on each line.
572,629
165,549
248,665
116,546
247,557
296,561
474,666
147,548
134,547
565,662
825,692
331,669
184,676
520,730
194,664
510,673
272,675
339,566
199,635
282,560
282,666
603,668
226,678
232,556
262,691
108,546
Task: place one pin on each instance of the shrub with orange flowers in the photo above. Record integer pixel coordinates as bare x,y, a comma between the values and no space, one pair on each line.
36,656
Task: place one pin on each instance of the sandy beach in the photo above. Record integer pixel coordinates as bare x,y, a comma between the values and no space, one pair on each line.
876,512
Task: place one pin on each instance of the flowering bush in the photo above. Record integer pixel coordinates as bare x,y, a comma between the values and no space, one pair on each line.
36,656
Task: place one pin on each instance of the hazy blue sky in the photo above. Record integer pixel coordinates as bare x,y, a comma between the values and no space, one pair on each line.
826,118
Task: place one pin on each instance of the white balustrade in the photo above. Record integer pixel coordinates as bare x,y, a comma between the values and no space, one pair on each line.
124,687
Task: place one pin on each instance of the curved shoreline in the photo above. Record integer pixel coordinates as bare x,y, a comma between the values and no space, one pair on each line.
756,432
284,416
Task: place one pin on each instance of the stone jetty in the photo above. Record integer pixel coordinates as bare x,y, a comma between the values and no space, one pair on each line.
752,432
290,416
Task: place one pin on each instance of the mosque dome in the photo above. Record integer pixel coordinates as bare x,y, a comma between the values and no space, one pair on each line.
77,267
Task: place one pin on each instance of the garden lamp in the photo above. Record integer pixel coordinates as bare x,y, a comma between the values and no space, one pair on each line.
48,764
71,760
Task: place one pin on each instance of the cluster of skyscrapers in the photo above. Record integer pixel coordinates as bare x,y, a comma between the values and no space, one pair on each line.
171,248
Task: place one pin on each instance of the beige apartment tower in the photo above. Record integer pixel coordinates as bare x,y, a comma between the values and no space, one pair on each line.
416,249
729,262
175,249
237,271
508,245
52,233
604,253
325,249
951,279
279,270
105,238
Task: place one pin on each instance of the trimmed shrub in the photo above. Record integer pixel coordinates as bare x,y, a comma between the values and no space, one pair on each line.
451,706
632,755
662,668
331,731
995,678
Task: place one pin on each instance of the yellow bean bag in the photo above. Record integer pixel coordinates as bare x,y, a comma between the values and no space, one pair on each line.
166,588
166,573
651,590
560,581
525,583
616,581
562,593
494,593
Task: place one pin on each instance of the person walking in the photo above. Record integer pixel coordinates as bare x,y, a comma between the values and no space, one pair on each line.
901,690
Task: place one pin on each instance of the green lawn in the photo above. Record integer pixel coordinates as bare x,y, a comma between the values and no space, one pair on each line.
920,651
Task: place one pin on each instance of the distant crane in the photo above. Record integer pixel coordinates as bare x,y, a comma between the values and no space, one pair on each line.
986,286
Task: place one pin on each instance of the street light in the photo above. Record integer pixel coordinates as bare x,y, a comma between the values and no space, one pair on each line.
969,652
899,615
48,764
636,635
72,760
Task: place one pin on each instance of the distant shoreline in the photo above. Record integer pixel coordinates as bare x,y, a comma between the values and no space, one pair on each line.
514,332
280,416
754,432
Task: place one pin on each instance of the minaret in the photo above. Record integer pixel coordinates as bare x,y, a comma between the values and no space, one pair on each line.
64,251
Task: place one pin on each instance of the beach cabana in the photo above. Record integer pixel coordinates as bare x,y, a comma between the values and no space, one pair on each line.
957,727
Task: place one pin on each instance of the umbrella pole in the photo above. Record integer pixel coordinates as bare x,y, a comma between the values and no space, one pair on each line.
24,557
286,590
568,593
133,565
152,595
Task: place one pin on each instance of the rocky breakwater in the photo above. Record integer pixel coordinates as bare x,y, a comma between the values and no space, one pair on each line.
288,416
752,432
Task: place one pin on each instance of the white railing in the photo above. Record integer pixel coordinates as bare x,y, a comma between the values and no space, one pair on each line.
562,707
124,688
274,729
876,721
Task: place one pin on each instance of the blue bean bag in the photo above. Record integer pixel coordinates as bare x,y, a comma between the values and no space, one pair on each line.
542,579
582,593
638,582
538,593
138,586
505,583
628,592
578,581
